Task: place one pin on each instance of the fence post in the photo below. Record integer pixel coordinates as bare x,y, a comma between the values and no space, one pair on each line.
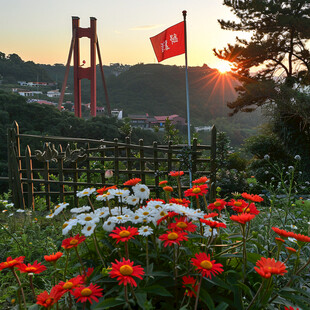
12,184
194,157
213,164
47,186
156,168
116,162
87,147
142,161
128,155
169,158
29,178
60,173
102,154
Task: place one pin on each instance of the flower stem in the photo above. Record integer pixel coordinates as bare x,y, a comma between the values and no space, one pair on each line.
147,256
91,204
20,286
79,257
256,295
97,248
243,230
126,250
32,288
197,202
179,187
198,292
66,266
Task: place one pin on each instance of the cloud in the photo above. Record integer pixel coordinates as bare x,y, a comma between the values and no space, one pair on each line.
145,27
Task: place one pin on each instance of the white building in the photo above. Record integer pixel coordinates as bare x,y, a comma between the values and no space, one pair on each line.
53,93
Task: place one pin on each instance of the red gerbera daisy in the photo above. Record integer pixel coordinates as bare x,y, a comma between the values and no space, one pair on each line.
291,250
251,208
86,275
69,285
11,263
238,205
168,189
213,224
176,173
254,198
191,286
281,232
88,293
132,182
167,216
124,234
219,204
163,183
48,300
196,190
206,266
242,218
280,240
301,238
72,242
200,181
290,308
213,214
184,202
53,257
124,271
182,224
35,268
268,266
104,189
172,237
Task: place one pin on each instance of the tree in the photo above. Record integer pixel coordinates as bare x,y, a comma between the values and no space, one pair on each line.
278,48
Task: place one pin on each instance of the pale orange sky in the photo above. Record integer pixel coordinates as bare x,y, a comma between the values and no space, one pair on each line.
41,30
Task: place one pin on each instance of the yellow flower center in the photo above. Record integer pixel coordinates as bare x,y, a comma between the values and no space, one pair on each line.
10,263
124,233
86,292
30,269
145,213
162,213
89,228
178,200
49,301
88,218
182,225
119,217
145,230
157,206
68,285
196,190
136,217
142,189
85,193
238,203
172,236
126,270
206,264
57,207
248,210
217,204
64,225
74,242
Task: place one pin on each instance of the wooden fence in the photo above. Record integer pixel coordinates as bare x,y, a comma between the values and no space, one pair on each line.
67,165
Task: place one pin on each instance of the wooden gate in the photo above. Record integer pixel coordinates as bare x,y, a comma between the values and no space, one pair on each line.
67,165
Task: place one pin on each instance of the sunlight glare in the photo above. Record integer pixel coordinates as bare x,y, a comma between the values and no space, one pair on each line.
223,66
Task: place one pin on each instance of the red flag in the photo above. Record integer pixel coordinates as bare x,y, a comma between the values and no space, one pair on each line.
170,42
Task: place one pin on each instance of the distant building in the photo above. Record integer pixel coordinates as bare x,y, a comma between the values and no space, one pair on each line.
100,110
117,113
146,121
175,120
53,93
26,93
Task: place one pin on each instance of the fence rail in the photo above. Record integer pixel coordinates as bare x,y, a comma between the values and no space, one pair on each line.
66,165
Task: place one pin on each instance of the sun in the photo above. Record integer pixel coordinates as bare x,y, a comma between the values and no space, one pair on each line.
223,66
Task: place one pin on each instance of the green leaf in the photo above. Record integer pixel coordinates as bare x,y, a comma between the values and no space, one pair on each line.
222,306
206,298
141,299
156,290
109,303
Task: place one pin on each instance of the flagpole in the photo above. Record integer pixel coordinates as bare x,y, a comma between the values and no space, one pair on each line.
187,99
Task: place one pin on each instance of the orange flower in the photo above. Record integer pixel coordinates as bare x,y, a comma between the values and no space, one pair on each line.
190,282
35,268
124,271
132,182
280,240
172,237
72,242
291,250
88,293
104,189
213,214
48,300
167,216
163,183
254,198
290,308
282,233
301,238
176,173
242,218
11,263
69,285
53,257
213,224
238,205
268,266
205,265
201,180
196,190
218,204
123,234
168,189
184,202
182,224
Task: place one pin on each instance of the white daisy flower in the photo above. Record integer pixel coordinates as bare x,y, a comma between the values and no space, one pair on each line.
50,216
292,239
60,207
132,200
86,218
146,211
108,225
145,231
122,193
119,219
141,191
102,212
20,210
81,209
105,197
67,226
293,227
153,204
9,205
120,211
85,192
88,229
136,219
208,232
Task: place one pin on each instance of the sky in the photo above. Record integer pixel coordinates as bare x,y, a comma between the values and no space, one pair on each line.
41,31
